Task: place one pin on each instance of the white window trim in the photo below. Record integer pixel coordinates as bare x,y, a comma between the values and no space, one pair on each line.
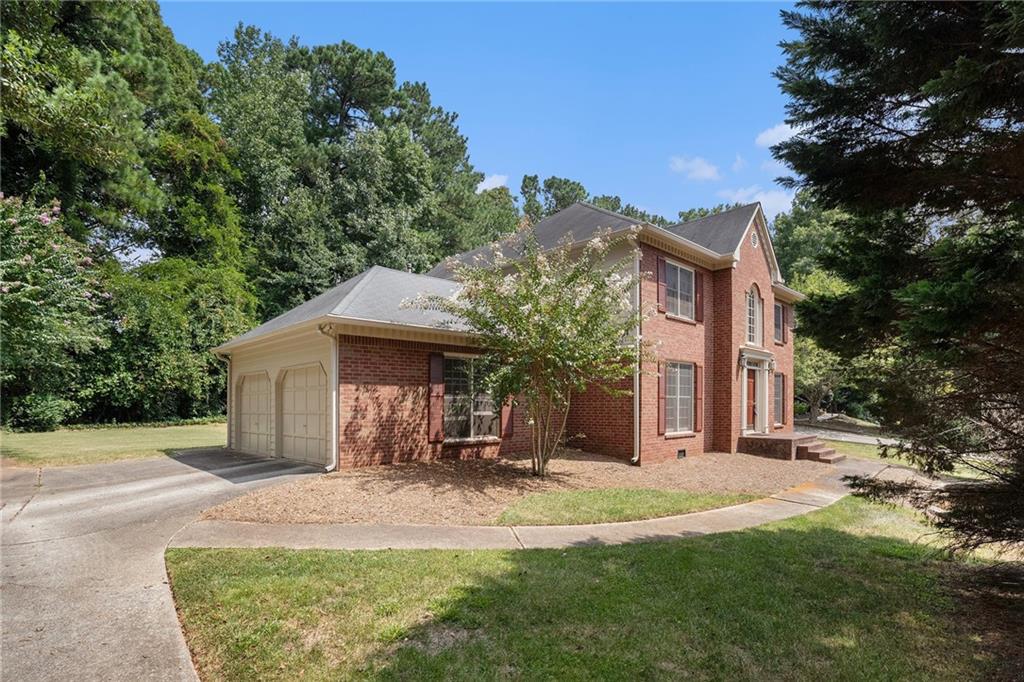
752,295
693,289
775,401
693,397
471,438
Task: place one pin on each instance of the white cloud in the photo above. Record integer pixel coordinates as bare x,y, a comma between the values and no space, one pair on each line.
774,135
739,164
773,166
773,201
695,168
492,181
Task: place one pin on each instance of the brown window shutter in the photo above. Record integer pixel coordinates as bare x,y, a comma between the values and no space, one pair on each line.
785,323
662,285
435,419
698,296
506,419
661,398
698,398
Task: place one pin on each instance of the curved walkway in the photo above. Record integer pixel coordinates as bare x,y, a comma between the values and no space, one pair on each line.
795,501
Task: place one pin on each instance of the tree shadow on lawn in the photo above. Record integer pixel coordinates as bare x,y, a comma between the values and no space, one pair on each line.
761,604
805,601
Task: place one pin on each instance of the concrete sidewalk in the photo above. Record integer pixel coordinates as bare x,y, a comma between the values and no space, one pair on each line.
799,500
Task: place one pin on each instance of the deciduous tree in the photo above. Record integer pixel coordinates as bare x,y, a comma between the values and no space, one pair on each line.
552,324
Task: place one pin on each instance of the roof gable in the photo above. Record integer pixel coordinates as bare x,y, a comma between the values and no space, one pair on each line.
581,220
720,232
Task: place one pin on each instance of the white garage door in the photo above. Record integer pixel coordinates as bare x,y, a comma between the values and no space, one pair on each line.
304,415
254,414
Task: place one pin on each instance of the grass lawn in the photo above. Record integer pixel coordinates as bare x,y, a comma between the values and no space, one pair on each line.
860,450
866,451
91,446
614,504
842,593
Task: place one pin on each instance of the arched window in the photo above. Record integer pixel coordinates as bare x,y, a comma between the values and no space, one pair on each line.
755,316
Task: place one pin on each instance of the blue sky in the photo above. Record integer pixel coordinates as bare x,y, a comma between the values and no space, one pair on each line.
670,106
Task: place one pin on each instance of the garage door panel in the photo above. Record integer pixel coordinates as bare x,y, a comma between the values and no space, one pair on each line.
254,414
303,415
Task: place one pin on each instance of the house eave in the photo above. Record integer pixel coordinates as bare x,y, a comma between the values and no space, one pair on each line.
786,294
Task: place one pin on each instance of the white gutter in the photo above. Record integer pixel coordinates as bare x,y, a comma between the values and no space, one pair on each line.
328,330
226,358
636,374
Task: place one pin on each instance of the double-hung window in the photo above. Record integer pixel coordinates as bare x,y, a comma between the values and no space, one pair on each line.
780,398
678,290
754,316
678,397
780,321
468,407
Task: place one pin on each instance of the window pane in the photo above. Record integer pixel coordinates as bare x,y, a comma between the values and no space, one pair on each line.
685,293
671,396
679,397
672,288
779,397
778,322
685,420
458,402
751,318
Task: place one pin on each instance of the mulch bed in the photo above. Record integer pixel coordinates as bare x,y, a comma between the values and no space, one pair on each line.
475,492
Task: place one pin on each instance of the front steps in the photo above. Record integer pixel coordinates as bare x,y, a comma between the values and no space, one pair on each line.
789,446
816,451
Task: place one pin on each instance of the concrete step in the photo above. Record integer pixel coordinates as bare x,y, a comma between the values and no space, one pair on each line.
831,458
818,452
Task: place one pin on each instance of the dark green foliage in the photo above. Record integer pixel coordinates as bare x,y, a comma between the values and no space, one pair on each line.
695,213
911,120
164,316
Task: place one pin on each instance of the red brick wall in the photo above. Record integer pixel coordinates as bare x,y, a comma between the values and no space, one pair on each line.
715,344
602,423
677,340
383,402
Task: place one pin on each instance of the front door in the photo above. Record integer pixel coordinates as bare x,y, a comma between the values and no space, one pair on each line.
751,421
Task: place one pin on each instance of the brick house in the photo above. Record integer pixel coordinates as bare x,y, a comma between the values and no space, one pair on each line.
356,376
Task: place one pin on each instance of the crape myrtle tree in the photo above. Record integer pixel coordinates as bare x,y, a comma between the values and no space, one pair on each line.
910,118
553,324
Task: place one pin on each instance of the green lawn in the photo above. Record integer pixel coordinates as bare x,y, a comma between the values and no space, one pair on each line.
860,450
615,504
865,451
90,446
845,593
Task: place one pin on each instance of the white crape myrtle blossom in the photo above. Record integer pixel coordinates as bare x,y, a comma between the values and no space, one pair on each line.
552,324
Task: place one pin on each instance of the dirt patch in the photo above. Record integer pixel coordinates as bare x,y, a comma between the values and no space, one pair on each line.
475,492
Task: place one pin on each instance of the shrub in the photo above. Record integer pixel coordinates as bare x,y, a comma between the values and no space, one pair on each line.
41,412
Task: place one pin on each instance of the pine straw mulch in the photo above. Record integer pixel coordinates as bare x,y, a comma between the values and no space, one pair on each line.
475,492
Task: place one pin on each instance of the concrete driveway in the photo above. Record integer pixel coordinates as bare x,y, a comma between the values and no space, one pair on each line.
84,595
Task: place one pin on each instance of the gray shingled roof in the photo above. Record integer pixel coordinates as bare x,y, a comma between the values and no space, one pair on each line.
581,220
376,295
720,232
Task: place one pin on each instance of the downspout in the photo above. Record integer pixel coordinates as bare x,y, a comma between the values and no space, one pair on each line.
226,358
636,374
328,330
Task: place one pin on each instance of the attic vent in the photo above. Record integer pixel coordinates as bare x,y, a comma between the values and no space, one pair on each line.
754,239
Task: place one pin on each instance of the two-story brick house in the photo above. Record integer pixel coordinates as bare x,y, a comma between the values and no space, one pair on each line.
356,376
